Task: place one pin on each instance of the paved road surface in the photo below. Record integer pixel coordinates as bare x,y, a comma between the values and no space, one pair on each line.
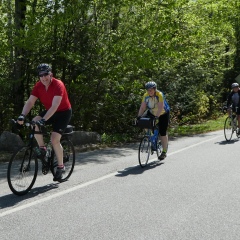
193,194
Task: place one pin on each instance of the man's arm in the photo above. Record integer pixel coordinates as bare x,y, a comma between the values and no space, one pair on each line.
29,105
26,109
55,104
142,109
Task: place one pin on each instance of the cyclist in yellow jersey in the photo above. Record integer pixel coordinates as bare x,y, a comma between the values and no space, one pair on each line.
155,104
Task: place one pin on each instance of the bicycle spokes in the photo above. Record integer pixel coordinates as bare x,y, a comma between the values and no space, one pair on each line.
144,151
228,128
22,171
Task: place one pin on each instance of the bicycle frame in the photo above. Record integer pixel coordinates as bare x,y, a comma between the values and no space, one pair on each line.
148,133
32,126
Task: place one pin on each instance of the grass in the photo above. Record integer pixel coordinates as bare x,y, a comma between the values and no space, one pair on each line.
208,126
186,130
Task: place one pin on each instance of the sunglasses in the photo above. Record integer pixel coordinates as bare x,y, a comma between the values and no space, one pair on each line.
43,75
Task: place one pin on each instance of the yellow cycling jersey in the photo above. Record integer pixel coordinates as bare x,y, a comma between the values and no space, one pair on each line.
152,102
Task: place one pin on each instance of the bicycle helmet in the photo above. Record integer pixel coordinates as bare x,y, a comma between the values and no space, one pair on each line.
235,85
149,85
43,68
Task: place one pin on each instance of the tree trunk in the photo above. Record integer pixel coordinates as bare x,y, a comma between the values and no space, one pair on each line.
18,71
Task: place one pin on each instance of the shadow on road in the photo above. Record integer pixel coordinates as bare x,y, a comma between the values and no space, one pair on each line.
11,200
137,169
99,156
227,142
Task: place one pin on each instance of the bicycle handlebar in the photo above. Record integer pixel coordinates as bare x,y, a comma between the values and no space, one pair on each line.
225,108
145,124
29,124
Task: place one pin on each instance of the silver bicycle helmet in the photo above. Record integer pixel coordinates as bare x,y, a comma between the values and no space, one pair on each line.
43,68
149,85
235,85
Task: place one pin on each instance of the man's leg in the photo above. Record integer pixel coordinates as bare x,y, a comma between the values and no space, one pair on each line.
55,140
238,118
38,137
164,141
163,125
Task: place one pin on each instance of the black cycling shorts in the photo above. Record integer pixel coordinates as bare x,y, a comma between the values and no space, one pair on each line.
163,123
59,120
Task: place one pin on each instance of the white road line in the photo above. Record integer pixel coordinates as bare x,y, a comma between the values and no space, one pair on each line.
194,145
72,189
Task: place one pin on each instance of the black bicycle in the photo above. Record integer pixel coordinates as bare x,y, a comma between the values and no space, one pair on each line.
23,165
231,124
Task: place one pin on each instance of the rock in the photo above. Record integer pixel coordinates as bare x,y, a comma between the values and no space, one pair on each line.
81,138
10,141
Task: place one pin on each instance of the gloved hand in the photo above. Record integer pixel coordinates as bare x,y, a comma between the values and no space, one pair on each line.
41,122
21,119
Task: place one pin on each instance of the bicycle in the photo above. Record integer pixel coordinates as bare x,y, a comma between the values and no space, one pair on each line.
23,166
231,124
150,142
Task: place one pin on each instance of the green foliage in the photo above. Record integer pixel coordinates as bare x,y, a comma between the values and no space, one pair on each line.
104,51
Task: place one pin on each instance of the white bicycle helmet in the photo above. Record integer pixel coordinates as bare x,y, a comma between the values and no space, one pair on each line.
235,85
149,85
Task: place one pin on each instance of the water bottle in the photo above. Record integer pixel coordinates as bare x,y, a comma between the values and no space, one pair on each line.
37,151
40,153
49,151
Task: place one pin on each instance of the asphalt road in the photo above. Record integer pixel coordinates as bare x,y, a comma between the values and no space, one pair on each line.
193,194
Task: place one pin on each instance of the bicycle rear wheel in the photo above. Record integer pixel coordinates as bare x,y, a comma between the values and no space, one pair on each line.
144,151
22,171
68,159
228,129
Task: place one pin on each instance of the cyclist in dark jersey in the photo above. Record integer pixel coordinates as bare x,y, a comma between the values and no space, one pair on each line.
233,101
154,103
53,95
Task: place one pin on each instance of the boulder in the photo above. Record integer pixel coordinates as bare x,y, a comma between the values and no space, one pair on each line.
10,141
81,138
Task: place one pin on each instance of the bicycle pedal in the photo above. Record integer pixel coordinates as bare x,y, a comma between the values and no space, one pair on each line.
45,170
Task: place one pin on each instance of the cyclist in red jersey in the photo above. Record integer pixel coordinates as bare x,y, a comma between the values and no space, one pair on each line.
53,95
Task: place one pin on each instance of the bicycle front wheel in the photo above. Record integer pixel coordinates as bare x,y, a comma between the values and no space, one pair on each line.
228,129
22,171
68,159
144,151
